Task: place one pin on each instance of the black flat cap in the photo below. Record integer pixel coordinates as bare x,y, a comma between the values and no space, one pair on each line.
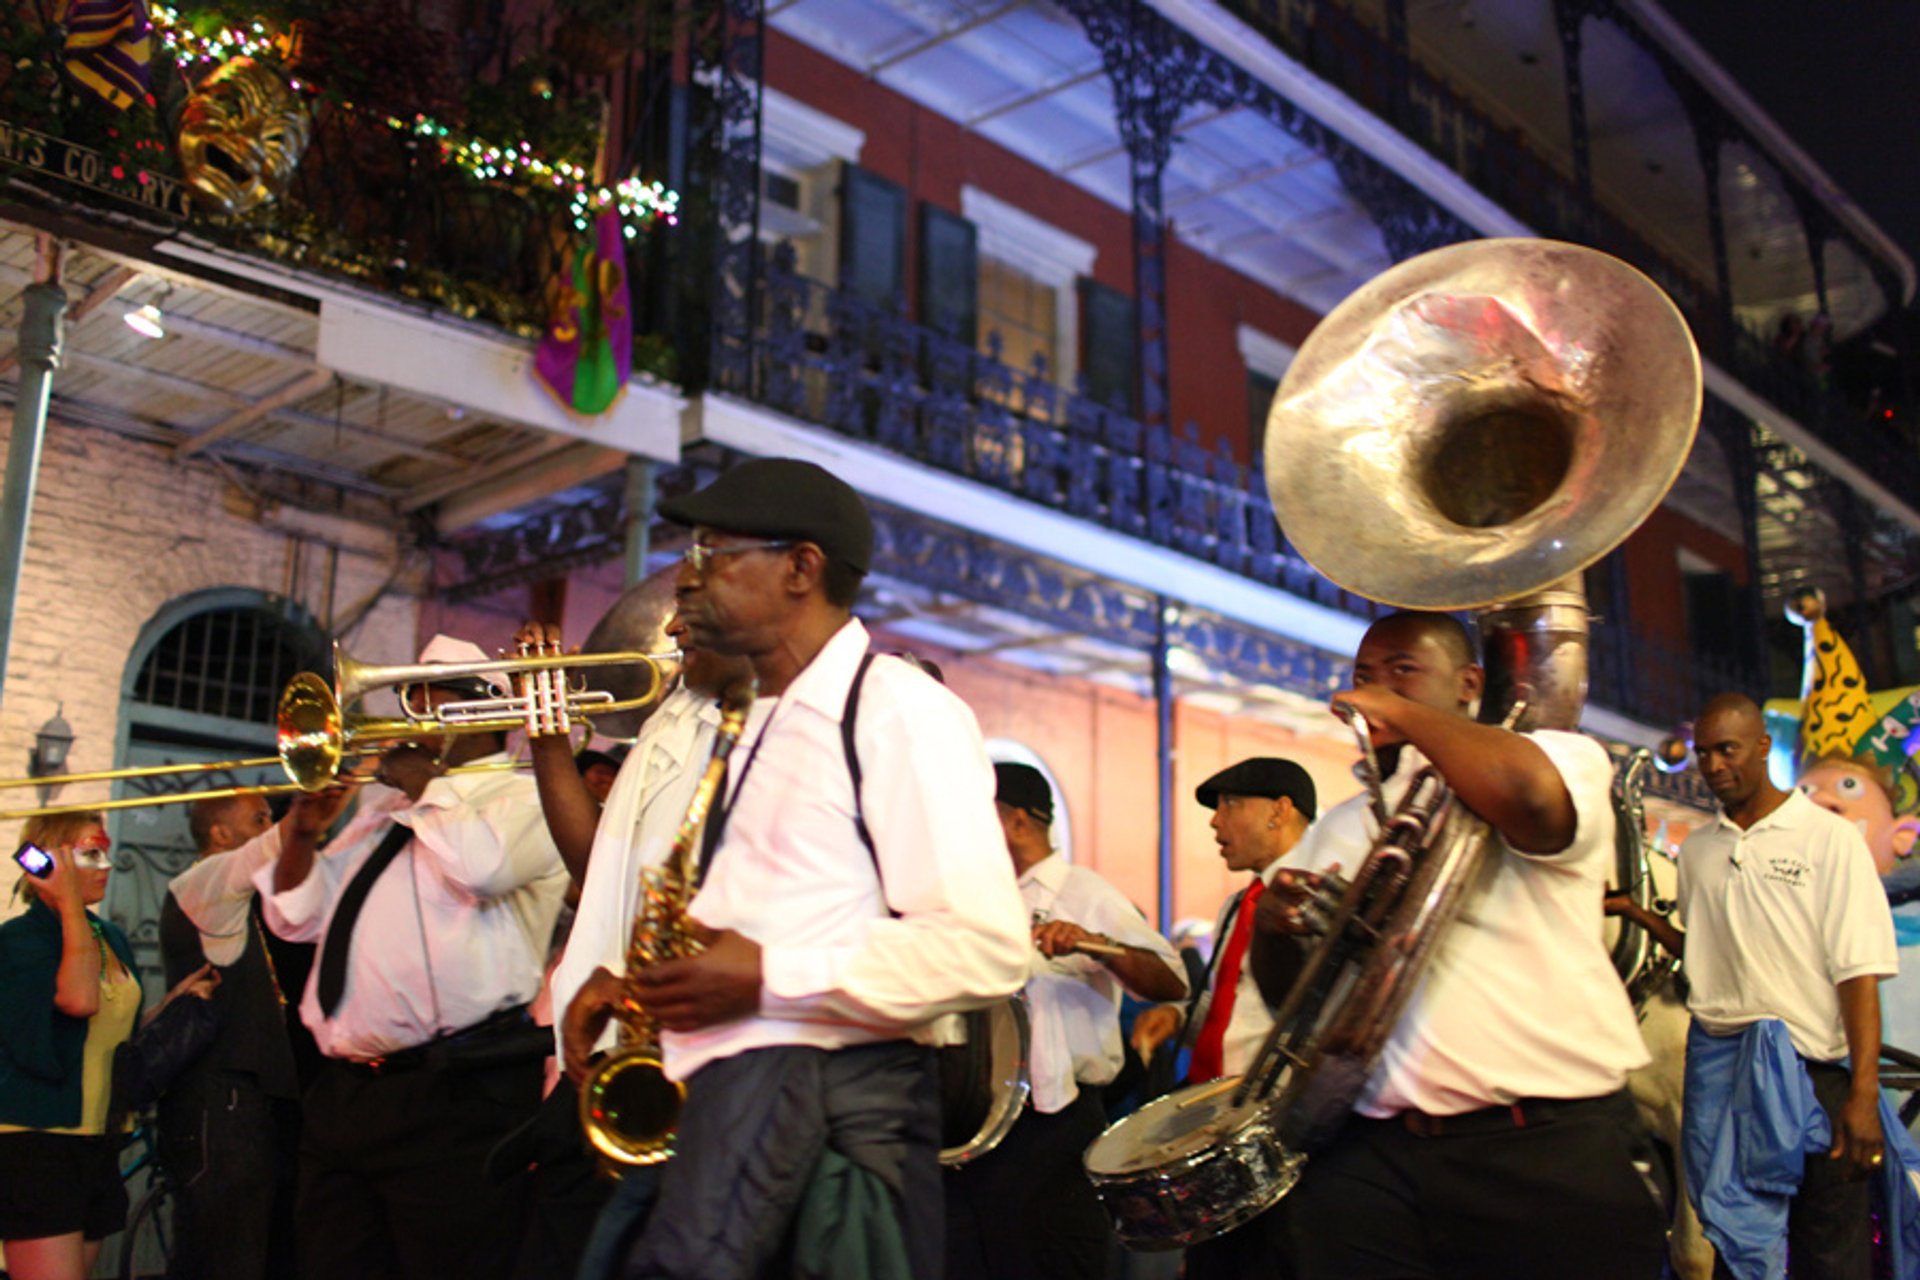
1262,776
586,759
1021,786
783,498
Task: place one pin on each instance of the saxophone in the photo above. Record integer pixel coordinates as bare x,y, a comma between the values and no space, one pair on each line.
629,1107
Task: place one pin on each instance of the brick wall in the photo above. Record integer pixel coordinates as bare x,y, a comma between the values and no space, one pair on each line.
118,531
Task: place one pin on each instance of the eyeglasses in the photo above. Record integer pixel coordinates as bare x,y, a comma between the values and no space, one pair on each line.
700,556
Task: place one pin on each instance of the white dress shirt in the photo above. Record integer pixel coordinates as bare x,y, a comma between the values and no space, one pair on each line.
1251,1021
637,827
1520,999
1074,1000
454,930
216,895
791,873
1777,916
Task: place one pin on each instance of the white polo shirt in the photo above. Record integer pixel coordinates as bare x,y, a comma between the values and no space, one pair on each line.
1521,999
1075,999
1777,916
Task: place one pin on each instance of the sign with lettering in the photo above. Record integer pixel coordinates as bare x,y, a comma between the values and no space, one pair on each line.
69,162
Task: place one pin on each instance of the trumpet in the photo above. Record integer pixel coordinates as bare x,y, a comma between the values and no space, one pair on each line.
315,736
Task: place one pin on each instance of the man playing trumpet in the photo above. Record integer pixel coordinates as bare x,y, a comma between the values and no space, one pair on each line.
432,911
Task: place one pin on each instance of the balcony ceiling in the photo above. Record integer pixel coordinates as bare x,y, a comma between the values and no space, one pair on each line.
1507,56
1024,75
235,381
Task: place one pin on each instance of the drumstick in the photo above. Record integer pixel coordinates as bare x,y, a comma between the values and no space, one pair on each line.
1088,947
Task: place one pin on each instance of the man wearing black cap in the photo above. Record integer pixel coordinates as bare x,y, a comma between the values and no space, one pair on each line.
1025,1210
1494,1137
1261,807
855,891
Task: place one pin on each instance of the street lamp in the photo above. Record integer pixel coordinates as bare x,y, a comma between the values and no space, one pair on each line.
51,743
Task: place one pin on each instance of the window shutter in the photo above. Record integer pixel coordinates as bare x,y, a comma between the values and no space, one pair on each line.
1108,342
873,236
949,275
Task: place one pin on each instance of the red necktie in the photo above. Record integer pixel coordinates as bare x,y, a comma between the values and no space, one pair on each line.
1208,1050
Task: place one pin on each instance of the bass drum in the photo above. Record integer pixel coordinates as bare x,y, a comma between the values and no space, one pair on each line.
1189,1167
984,1082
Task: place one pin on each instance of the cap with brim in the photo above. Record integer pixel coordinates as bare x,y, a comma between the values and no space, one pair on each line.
1262,777
1021,786
783,498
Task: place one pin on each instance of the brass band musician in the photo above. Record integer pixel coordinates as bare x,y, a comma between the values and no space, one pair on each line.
1025,1209
1493,1138
432,912
842,918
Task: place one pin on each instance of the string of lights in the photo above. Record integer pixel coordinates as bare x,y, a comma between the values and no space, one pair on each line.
485,161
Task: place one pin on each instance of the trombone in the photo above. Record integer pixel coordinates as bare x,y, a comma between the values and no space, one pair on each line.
315,735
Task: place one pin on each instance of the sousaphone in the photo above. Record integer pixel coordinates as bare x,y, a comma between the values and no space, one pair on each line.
1469,430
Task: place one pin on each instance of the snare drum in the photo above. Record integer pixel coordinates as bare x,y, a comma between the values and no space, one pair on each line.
1189,1167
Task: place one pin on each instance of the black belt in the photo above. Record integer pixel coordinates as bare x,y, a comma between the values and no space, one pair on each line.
1521,1114
506,1037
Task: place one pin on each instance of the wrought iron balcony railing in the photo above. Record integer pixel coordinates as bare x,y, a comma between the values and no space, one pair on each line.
830,357
1337,44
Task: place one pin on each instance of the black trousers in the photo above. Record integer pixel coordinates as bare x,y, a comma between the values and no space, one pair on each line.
1260,1248
751,1138
1567,1194
1829,1228
1025,1210
393,1179
230,1156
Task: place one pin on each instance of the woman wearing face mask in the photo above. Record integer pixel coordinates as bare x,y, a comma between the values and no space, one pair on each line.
68,999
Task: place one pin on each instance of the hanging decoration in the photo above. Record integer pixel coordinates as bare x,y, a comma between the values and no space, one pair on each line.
108,48
241,136
515,162
586,355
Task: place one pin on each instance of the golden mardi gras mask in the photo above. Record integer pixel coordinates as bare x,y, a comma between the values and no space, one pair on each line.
241,136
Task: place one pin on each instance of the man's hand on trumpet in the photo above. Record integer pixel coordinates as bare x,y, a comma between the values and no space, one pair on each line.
313,813
410,768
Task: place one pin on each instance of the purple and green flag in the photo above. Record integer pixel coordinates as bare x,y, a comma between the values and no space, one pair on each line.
586,356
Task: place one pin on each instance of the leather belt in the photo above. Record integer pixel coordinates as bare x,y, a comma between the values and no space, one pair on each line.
447,1050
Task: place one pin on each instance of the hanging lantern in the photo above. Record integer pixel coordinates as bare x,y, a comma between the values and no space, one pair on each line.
241,136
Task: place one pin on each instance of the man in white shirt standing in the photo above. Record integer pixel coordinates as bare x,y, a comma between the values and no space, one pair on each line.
432,912
1786,920
1493,1138
1262,806
856,891
1025,1210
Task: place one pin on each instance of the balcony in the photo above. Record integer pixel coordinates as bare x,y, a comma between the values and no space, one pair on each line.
1338,45
860,369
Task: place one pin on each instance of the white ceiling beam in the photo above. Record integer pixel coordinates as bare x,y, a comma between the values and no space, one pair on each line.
171,382
304,385
1245,178
1119,149
1008,105
927,44
576,464
432,491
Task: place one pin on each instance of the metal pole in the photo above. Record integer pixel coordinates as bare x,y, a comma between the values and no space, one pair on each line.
1163,723
639,516
38,353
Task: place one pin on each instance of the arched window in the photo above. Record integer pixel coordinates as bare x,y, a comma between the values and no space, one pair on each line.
200,686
